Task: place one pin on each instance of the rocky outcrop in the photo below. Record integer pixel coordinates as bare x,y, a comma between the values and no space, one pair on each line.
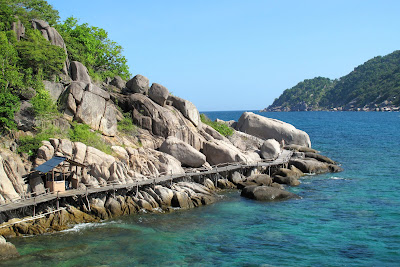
270,149
183,152
267,128
118,82
7,190
266,193
138,84
19,29
79,72
158,94
187,108
25,118
55,89
161,121
87,103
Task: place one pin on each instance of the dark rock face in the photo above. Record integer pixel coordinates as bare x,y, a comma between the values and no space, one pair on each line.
310,165
19,29
25,118
138,84
266,193
319,157
158,94
286,180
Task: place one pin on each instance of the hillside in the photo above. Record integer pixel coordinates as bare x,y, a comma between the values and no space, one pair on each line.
374,85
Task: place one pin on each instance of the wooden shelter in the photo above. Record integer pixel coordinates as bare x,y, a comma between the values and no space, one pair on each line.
58,172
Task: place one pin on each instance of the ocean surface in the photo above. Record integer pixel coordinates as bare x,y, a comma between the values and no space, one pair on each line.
350,218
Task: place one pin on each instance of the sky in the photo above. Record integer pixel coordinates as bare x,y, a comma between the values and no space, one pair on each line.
241,55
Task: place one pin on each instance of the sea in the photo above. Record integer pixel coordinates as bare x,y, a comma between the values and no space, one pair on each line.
351,218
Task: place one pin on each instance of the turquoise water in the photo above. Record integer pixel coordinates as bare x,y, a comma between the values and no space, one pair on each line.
349,218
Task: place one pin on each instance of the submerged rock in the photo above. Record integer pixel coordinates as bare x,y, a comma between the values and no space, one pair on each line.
7,250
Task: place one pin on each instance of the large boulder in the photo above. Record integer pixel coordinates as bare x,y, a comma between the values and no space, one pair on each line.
187,108
266,193
25,118
161,121
91,110
218,152
138,84
310,165
7,189
158,93
79,72
270,149
55,89
245,141
267,128
183,152
19,29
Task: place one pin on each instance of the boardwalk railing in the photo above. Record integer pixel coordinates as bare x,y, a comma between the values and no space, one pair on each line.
161,178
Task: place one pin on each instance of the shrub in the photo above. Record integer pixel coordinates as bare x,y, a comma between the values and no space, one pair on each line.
126,126
82,133
220,127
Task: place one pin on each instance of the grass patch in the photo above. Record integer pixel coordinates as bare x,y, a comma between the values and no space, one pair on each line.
220,127
82,133
126,125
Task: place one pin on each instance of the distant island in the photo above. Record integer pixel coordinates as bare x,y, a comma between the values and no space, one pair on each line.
372,86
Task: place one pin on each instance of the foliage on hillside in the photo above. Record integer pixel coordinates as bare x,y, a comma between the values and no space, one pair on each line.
309,91
373,82
91,46
25,63
220,127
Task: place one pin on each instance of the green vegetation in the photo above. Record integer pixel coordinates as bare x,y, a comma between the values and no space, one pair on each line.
91,46
220,127
373,82
126,125
82,133
30,144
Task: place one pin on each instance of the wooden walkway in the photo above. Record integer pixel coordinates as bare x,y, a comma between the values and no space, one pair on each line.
33,201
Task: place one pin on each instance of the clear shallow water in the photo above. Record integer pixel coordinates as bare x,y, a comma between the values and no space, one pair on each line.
349,218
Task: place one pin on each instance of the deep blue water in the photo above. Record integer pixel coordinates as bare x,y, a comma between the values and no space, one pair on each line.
350,218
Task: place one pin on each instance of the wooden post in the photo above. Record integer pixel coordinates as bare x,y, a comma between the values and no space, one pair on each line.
34,206
58,204
269,170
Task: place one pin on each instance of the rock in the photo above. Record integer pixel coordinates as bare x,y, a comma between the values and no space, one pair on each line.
270,149
214,133
7,189
7,250
334,168
165,194
225,184
97,157
218,152
266,193
79,152
286,180
181,200
25,118
26,93
300,148
162,121
36,183
267,128
113,206
319,157
98,91
245,142
108,123
310,165
77,89
121,153
209,184
138,84
118,82
65,147
187,108
91,110
19,29
183,152
292,172
236,177
158,93
55,89
255,179
79,72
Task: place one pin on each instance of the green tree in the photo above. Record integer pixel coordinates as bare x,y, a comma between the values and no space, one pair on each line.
92,47
10,77
39,54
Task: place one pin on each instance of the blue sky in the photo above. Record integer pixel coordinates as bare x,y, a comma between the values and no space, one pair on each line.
241,55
